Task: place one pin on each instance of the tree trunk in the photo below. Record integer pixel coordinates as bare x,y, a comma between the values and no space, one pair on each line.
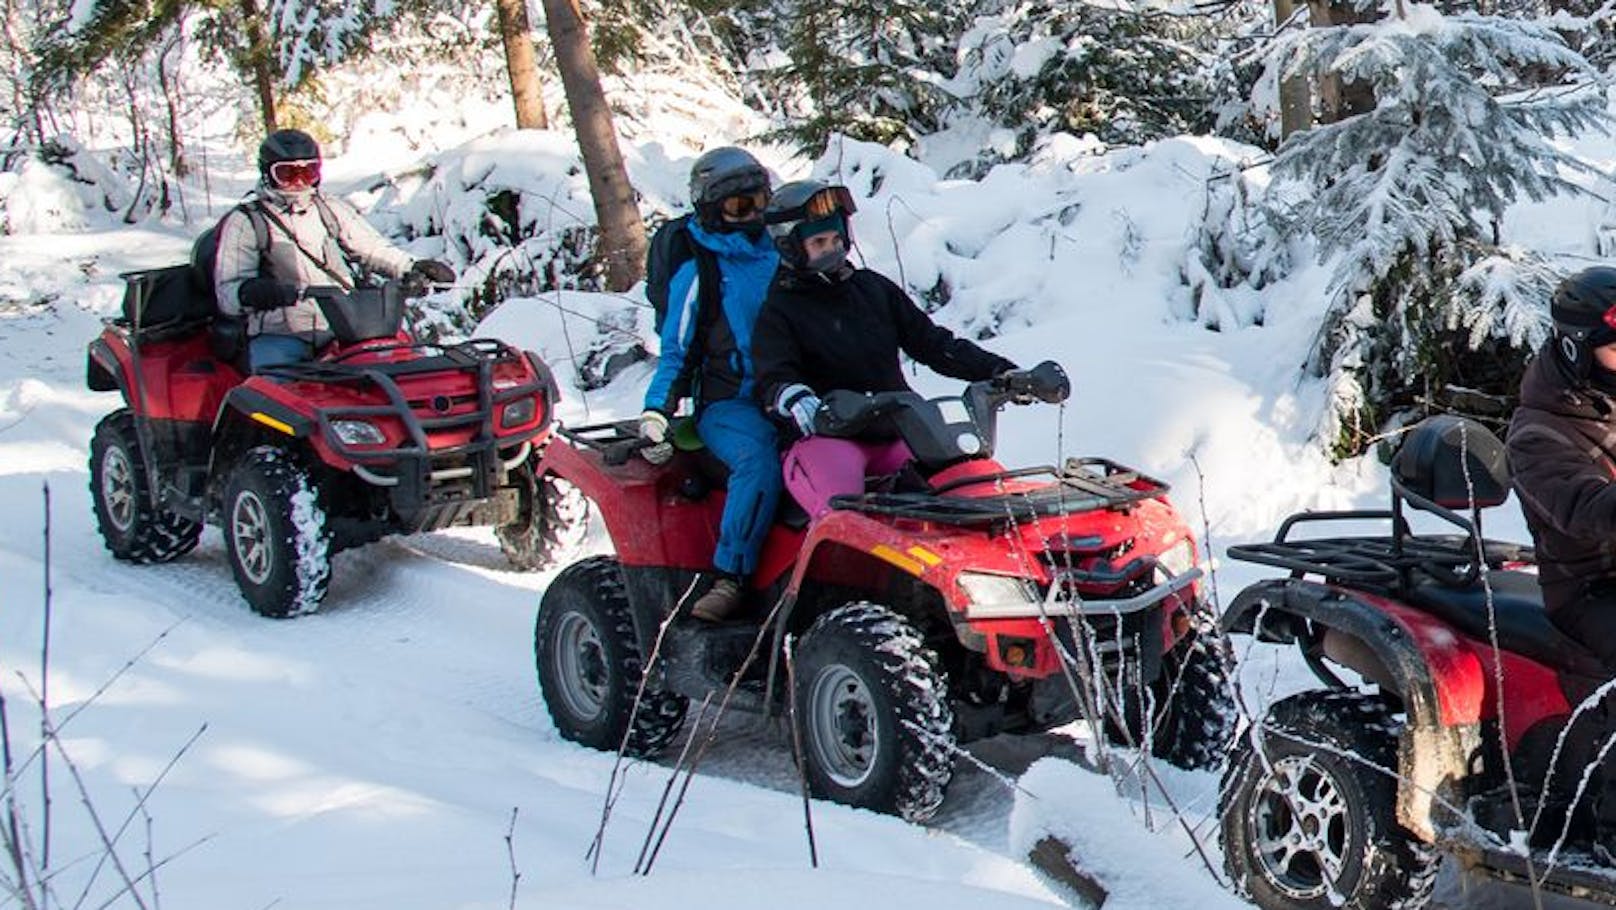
622,233
1295,99
521,66
169,81
260,63
19,49
1339,100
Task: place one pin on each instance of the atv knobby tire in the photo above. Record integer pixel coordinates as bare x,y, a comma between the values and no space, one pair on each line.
590,664
132,528
554,517
1311,822
872,707
276,534
1191,706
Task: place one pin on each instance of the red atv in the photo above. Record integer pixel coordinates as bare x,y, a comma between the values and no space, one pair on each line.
379,435
961,601
1444,684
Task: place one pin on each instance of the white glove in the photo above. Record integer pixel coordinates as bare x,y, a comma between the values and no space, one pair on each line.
654,430
799,403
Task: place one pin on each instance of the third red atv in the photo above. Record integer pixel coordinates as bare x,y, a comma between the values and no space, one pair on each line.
1445,693
965,601
381,434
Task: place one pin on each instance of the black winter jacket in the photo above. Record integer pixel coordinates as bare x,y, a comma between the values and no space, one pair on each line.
1562,451
847,335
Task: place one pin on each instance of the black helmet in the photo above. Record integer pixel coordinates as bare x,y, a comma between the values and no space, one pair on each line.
719,174
1583,315
286,145
802,209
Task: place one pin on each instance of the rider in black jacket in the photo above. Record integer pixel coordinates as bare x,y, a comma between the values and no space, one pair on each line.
828,325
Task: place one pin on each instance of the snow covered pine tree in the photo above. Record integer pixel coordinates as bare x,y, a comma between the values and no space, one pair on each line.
1406,199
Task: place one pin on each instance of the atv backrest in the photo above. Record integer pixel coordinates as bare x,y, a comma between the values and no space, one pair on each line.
1454,462
164,298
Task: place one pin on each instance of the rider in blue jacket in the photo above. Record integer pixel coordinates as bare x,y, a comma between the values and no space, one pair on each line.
706,355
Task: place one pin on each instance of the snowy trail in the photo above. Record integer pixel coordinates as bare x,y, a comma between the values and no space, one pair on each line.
371,755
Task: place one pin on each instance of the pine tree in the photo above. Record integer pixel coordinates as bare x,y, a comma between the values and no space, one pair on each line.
1043,66
871,69
1404,201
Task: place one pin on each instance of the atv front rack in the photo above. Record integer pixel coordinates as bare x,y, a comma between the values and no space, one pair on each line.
1387,562
478,356
1083,485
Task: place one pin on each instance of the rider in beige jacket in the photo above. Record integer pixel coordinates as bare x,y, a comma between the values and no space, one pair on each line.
312,241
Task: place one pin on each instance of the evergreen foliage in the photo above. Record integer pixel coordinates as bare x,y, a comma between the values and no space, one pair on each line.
1404,200
1039,66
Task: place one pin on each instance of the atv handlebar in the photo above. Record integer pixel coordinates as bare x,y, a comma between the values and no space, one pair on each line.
944,430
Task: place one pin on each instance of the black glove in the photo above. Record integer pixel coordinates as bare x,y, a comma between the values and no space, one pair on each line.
431,271
264,294
1044,382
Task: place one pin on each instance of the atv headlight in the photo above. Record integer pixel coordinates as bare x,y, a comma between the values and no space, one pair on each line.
519,412
998,595
358,432
1178,558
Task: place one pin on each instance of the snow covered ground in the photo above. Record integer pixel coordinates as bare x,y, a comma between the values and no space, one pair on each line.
391,751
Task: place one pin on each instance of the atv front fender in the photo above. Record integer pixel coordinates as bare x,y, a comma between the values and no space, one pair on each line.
1440,680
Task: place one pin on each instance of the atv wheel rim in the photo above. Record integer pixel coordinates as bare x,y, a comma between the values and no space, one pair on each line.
1299,826
249,528
843,728
118,487
580,663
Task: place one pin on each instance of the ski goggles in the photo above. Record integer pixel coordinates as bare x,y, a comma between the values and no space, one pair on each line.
831,200
741,206
303,173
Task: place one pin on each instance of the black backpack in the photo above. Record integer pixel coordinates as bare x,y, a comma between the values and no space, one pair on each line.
671,247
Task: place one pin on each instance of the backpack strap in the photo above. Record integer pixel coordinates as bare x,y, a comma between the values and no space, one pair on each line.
254,210
346,282
333,227
709,309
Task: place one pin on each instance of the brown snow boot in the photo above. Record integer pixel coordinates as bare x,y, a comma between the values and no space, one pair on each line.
720,602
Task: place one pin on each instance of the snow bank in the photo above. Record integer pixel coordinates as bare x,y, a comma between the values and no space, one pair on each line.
1132,844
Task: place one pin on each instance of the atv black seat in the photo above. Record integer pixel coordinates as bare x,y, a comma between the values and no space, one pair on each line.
1517,613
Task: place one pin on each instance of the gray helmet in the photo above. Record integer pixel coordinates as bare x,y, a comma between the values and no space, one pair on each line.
1584,313
286,145
720,173
803,208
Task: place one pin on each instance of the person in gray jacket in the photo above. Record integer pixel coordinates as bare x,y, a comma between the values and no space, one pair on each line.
290,237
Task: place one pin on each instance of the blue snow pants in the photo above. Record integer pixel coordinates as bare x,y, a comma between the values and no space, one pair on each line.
737,432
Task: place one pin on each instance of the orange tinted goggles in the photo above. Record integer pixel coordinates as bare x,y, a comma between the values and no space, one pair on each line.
744,205
828,201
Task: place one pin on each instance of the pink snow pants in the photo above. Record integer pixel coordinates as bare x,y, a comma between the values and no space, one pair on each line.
820,467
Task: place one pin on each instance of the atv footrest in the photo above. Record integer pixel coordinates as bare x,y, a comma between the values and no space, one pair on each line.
1576,874
699,658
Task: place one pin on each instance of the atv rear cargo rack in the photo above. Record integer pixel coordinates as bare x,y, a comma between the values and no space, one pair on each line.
1083,485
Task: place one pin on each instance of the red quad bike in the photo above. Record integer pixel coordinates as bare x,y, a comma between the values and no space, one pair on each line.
920,616
1345,797
379,435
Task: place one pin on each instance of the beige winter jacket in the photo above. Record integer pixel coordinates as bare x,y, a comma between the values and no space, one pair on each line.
239,258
